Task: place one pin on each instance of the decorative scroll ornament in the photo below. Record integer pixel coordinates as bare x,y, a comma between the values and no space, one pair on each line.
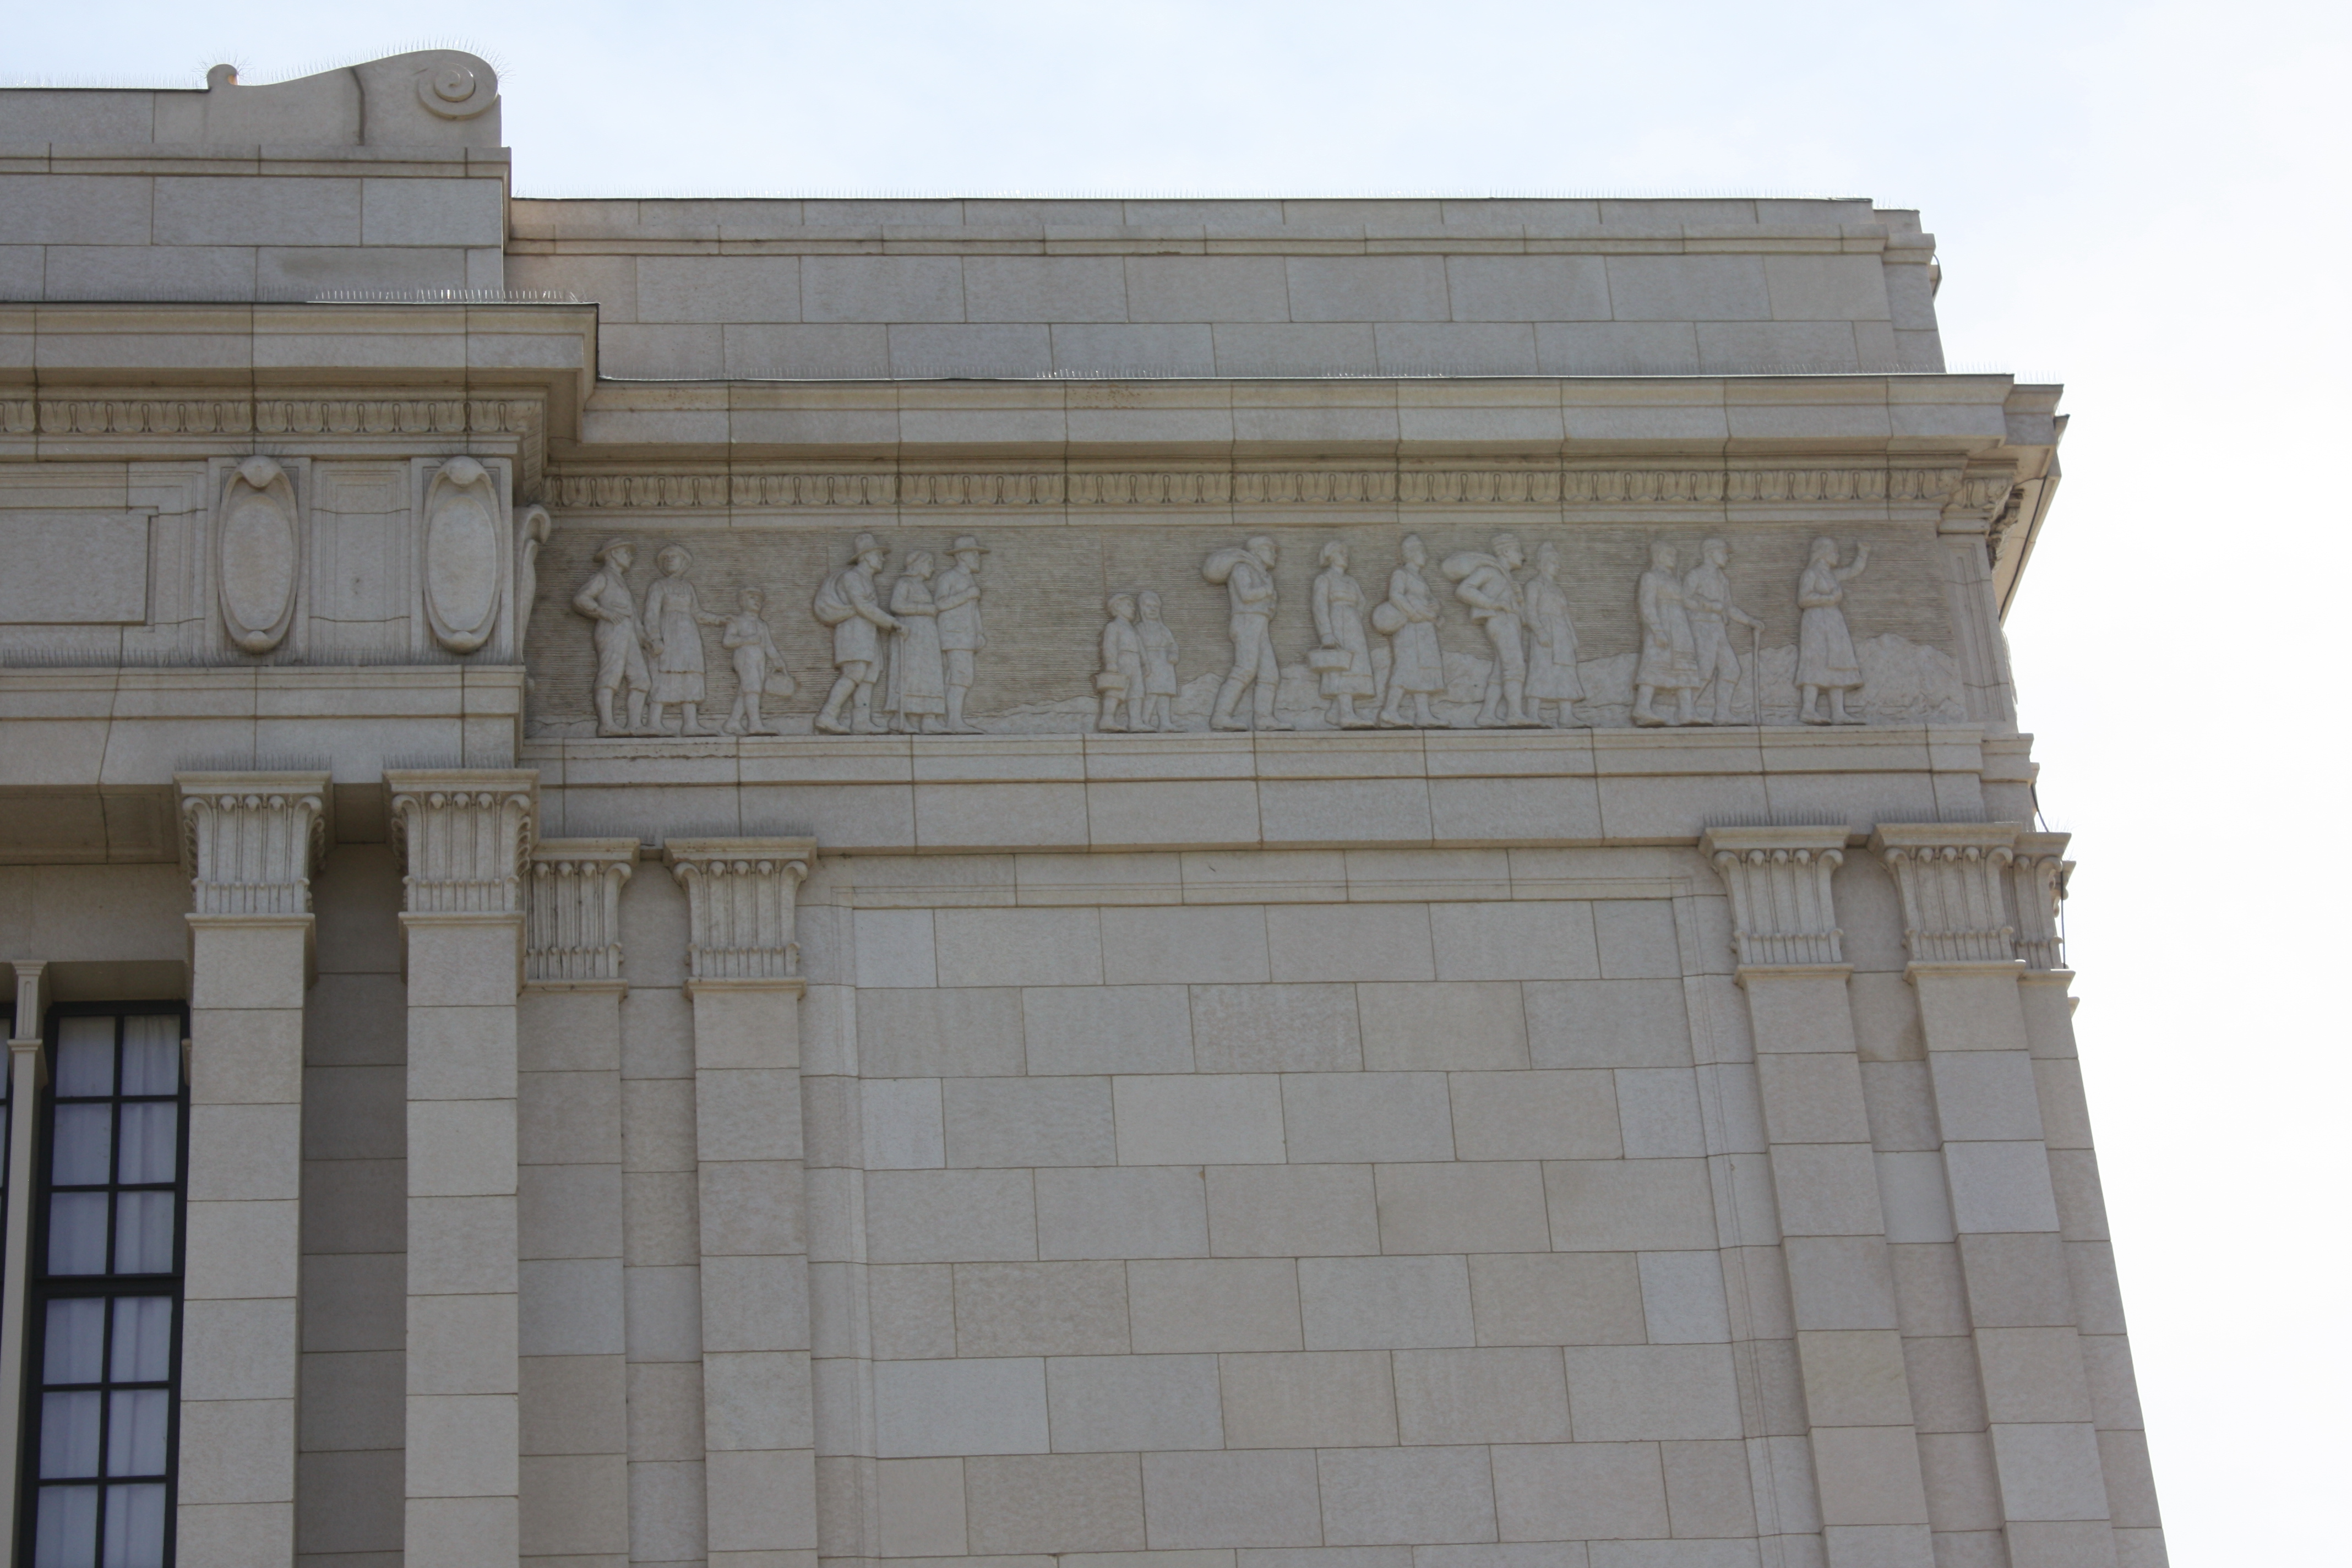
453,90
463,835
741,896
1782,909
1950,874
250,840
465,555
259,554
572,936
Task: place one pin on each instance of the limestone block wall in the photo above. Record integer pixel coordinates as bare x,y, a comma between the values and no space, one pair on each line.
844,287
386,176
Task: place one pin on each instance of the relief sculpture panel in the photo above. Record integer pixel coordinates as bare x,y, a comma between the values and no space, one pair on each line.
1049,629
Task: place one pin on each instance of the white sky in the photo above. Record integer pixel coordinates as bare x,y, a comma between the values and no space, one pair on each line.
2145,201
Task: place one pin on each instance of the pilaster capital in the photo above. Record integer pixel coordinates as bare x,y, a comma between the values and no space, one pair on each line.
462,835
2037,881
571,939
25,1034
250,841
741,900
1955,909
1782,910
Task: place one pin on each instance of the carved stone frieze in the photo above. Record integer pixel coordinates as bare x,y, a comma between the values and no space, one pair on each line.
463,835
1522,485
1782,908
1299,626
465,555
572,934
1950,874
257,553
741,901
250,841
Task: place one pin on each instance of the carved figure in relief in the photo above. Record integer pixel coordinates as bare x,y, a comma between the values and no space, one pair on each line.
917,694
606,600
1344,659
1707,597
1122,679
674,621
759,667
1247,577
1159,667
845,602
1408,618
956,592
1485,584
1551,642
1825,655
1669,660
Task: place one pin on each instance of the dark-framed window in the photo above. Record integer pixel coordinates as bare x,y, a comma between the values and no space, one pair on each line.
101,1416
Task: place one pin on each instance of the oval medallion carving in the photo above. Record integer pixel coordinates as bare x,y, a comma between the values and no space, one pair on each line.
260,554
463,553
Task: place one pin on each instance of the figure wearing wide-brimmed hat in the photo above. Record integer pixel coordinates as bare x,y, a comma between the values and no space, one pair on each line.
956,592
606,600
846,601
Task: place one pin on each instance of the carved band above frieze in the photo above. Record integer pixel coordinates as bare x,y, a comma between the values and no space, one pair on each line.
1514,485
228,415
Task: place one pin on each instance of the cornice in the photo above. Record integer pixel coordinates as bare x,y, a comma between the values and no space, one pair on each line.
1521,485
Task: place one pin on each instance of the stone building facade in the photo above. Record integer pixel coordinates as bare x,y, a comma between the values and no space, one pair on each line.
1166,884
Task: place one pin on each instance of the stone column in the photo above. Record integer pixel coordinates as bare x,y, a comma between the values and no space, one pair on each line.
574,1344
743,980
1963,943
251,842
462,836
1792,967
28,1073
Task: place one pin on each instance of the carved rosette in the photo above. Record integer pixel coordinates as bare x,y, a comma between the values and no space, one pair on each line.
1955,909
259,554
2037,881
1782,910
573,935
741,896
465,555
463,835
250,841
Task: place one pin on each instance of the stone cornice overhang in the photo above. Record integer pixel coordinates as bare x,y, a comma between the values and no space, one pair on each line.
96,381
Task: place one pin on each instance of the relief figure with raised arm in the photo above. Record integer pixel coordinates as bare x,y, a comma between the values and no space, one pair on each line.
1825,655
